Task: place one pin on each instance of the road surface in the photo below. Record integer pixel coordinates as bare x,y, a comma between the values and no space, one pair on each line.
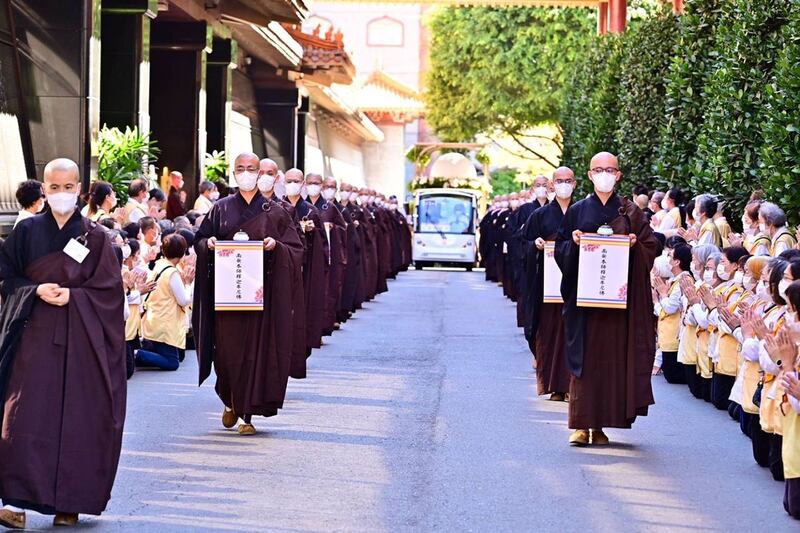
420,415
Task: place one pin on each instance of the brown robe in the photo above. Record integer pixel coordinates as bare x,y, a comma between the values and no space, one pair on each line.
315,273
65,380
251,351
337,247
352,271
610,352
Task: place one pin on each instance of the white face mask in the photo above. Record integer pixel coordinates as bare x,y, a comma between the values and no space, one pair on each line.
393,207
749,283
266,183
564,190
363,199
664,203
696,271
695,215
62,203
214,196
314,190
514,204
540,192
604,181
782,286
353,197
293,188
738,277
329,193
246,180
722,273
708,276
762,291
551,196
126,251
762,228
504,204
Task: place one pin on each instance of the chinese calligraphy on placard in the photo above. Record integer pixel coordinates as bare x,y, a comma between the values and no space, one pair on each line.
239,276
552,275
603,271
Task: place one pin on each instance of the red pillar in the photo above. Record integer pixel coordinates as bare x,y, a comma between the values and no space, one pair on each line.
617,15
677,7
602,18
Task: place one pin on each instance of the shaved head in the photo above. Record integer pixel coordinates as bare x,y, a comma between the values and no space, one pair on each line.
246,160
563,173
268,166
604,160
294,174
330,182
64,168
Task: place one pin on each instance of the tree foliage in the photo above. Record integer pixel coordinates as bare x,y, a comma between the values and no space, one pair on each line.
749,41
690,69
780,150
501,69
649,46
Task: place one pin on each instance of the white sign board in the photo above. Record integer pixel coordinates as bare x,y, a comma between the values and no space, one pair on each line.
239,276
603,271
552,275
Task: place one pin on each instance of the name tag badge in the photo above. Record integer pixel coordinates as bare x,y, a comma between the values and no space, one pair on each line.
76,250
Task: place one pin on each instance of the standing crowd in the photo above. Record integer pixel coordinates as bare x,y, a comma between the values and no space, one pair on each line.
711,309
92,293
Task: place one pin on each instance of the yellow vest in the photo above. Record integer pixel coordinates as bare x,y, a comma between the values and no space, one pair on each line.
133,205
724,230
164,320
791,443
783,238
668,326
728,346
770,410
134,323
709,227
675,213
752,242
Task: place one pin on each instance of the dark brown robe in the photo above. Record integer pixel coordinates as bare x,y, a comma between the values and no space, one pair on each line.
610,352
359,275
251,351
64,381
337,259
347,302
315,273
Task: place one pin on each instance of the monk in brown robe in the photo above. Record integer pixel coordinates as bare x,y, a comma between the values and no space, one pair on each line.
546,339
352,268
370,262
249,351
269,178
62,360
315,263
336,234
610,352
355,282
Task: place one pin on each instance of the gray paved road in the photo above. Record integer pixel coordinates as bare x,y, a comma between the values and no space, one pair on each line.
420,416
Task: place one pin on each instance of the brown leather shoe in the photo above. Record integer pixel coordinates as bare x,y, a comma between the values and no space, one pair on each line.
229,419
599,438
65,519
579,437
12,519
556,397
247,429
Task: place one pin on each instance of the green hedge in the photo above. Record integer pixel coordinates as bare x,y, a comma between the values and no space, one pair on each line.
708,101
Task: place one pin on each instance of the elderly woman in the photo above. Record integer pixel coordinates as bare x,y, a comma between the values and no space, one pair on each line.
687,347
772,223
752,238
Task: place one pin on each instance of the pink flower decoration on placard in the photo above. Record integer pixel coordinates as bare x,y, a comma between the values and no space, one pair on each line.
225,253
590,247
623,292
260,295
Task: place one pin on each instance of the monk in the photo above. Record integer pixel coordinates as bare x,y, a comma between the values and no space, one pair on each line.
247,349
336,233
62,360
610,352
546,327
340,200
269,176
523,250
354,285
315,262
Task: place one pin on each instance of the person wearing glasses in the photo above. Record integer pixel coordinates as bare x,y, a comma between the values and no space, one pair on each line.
610,352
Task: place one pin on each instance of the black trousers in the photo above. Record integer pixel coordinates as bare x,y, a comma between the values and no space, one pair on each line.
760,441
791,497
721,386
705,388
672,369
693,380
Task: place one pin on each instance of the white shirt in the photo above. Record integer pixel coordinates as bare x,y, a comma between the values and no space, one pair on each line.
182,293
203,205
22,215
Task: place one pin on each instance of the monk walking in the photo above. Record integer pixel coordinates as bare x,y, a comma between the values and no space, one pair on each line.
62,360
610,352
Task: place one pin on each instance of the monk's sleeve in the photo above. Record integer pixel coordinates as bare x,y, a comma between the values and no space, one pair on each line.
566,251
12,267
203,303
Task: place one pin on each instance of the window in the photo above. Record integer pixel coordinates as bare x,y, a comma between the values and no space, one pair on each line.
385,31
